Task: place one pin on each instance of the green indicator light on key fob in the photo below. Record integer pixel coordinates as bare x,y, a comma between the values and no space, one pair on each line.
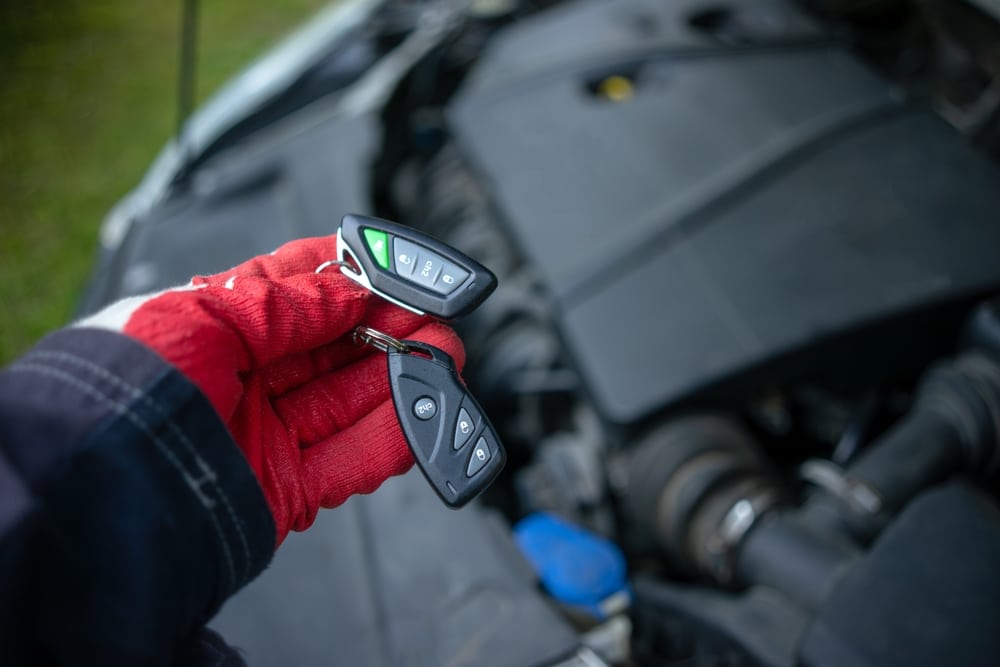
378,243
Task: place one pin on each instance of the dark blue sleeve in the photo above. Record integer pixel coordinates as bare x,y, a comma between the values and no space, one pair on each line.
127,513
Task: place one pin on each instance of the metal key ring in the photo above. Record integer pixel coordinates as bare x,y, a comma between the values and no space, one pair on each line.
335,262
378,340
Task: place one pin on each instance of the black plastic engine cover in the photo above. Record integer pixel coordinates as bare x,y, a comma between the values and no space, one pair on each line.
761,209
397,578
927,594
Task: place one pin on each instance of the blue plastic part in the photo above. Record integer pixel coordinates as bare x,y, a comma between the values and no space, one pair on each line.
575,566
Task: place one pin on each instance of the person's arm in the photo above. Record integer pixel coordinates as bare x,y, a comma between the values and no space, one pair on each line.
127,513
145,477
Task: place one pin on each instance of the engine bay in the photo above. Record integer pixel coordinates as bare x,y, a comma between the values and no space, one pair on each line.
747,328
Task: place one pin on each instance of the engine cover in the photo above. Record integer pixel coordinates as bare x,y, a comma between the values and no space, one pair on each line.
753,207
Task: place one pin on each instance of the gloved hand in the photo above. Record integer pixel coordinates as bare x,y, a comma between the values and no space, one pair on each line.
269,343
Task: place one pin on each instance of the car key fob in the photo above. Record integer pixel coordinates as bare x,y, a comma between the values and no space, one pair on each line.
410,268
450,437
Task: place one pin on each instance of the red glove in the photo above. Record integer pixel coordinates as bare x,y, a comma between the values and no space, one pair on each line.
269,343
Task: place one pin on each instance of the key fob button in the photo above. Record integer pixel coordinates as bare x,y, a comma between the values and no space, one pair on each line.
427,269
425,408
479,458
451,277
378,245
406,254
464,428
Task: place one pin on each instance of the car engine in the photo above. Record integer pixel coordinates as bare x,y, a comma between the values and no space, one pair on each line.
747,329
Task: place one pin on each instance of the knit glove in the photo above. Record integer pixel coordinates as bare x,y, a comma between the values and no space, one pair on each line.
269,344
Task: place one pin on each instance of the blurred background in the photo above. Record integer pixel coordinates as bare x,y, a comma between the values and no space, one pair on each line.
88,96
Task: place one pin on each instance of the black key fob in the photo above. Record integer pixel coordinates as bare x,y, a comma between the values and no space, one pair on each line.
412,269
449,434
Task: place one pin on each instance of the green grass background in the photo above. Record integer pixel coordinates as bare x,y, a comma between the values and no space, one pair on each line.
87,99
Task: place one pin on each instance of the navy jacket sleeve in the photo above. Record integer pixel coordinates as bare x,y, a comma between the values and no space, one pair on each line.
127,513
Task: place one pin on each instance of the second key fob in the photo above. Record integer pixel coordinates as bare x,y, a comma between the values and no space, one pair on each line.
412,269
450,437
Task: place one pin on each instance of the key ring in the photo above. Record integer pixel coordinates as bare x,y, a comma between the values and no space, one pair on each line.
378,340
335,262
